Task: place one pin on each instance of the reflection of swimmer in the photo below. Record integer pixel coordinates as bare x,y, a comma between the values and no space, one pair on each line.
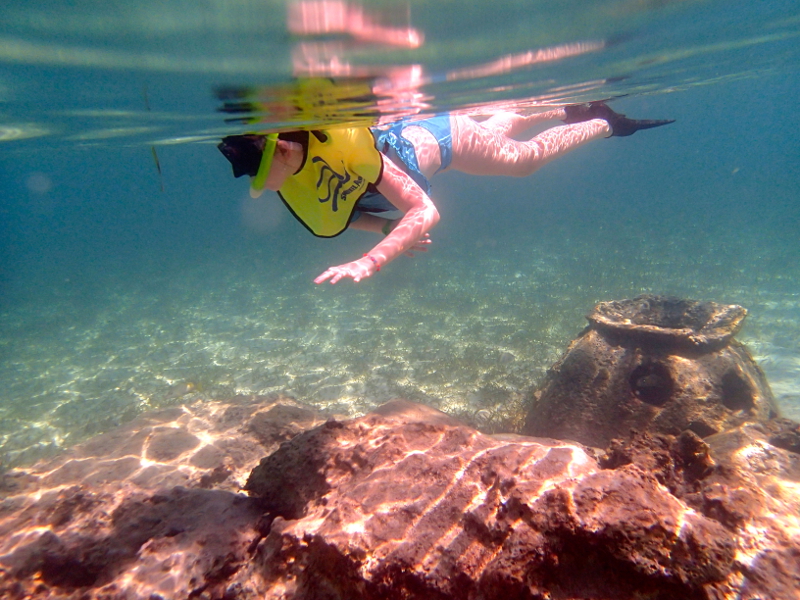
330,87
338,178
324,17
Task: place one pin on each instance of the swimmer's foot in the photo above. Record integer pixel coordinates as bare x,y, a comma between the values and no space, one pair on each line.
620,124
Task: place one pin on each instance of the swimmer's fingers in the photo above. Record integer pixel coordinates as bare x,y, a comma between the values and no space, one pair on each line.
356,270
420,246
329,274
333,274
324,277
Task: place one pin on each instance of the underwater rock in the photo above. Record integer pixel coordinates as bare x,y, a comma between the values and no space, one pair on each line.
653,364
150,510
405,502
743,481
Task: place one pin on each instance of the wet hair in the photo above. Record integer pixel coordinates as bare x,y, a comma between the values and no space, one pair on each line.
244,151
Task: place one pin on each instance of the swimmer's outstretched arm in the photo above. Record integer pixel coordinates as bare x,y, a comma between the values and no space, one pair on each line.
410,233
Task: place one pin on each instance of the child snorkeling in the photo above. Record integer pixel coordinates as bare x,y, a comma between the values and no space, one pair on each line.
333,179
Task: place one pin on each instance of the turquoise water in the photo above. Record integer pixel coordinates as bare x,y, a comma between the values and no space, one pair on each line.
124,289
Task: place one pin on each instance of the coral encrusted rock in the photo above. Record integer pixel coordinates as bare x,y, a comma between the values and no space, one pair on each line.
406,503
148,511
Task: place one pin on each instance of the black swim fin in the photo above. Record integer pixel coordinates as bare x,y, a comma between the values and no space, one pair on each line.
620,124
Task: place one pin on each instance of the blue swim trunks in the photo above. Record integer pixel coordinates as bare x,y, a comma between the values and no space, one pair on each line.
390,141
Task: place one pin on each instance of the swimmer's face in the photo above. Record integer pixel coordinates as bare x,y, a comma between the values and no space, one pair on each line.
287,161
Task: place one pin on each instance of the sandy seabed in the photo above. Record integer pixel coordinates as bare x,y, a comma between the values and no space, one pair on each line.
471,338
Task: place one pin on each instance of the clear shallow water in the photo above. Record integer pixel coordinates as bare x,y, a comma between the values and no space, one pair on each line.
124,291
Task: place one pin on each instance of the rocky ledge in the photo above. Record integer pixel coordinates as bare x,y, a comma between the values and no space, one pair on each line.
402,503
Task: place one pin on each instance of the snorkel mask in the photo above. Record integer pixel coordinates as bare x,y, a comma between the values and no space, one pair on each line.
257,183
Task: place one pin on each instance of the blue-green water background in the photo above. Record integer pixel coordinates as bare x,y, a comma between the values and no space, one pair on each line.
119,296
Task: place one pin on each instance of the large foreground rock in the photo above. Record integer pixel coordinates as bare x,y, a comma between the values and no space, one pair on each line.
404,503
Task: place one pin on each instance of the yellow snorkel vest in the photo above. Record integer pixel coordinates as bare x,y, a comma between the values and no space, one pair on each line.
323,193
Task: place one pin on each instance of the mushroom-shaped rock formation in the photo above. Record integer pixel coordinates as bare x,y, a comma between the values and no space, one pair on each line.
654,364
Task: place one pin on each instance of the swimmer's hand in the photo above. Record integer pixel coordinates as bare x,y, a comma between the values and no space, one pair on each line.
421,245
367,266
356,270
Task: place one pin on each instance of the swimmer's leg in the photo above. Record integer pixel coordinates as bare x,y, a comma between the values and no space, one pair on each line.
511,124
481,150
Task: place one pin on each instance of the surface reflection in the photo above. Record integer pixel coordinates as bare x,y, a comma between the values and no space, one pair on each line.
333,84
319,17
